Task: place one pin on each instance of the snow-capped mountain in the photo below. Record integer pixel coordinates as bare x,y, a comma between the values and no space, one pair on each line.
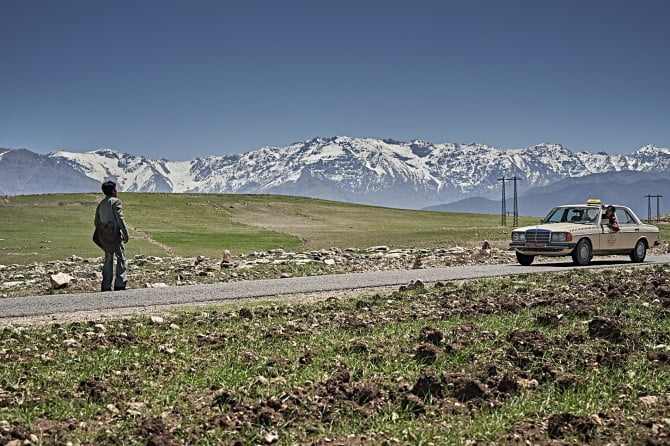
364,170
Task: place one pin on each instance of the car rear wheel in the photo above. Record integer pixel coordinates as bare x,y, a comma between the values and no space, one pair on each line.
639,253
524,259
583,253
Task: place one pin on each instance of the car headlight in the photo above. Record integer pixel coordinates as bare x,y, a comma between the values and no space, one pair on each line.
561,237
518,236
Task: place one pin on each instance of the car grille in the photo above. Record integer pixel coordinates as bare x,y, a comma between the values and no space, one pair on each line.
537,236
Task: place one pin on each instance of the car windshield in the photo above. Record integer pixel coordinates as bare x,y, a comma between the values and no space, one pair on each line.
569,214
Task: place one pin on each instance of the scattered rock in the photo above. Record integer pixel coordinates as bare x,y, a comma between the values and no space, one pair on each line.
227,258
271,437
156,285
415,285
68,343
262,380
22,279
527,383
13,284
135,409
381,248
456,250
60,280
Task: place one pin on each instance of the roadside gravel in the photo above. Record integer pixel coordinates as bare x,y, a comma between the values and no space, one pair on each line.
78,306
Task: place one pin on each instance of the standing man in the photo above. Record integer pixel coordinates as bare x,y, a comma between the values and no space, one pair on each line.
111,233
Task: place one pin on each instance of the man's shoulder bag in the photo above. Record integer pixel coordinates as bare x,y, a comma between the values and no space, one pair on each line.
108,236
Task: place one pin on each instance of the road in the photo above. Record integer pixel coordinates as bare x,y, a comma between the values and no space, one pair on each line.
58,305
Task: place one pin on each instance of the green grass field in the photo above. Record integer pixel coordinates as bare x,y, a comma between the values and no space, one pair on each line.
543,359
53,227
570,358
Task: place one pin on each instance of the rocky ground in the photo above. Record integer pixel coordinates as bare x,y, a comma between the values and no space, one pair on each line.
77,274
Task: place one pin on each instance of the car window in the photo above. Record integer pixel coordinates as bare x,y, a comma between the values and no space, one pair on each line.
581,215
555,216
624,217
592,216
574,215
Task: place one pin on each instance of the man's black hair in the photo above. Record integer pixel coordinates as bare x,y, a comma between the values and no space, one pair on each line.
108,187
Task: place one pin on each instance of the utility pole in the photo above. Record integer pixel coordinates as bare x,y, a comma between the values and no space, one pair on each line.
503,219
516,203
658,207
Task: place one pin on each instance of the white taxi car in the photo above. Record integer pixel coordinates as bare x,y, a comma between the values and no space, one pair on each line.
582,231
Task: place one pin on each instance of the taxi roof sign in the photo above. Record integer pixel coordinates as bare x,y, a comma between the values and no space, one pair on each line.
594,201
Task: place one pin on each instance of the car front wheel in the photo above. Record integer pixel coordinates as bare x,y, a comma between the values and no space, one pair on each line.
524,259
582,254
639,253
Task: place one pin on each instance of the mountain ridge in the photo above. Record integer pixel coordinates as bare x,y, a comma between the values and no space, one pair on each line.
413,174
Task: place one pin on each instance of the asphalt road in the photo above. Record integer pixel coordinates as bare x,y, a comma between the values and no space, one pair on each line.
62,304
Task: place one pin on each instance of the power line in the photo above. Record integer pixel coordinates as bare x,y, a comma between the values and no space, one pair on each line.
503,218
503,211
658,207
516,202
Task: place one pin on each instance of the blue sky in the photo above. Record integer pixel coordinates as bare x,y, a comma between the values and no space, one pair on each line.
178,79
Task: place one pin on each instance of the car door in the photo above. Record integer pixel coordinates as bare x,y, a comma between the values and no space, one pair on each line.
629,230
608,239
592,220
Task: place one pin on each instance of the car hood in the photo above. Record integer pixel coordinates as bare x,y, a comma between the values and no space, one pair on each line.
561,227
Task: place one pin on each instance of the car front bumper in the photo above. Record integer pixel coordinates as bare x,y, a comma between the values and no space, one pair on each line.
543,249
